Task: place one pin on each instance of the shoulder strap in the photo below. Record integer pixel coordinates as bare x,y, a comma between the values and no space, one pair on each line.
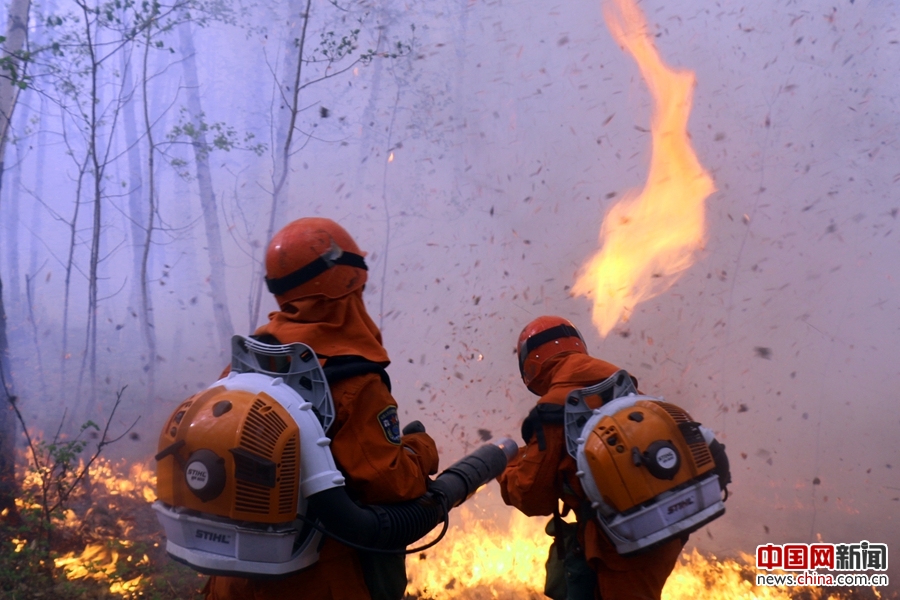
338,368
534,422
554,414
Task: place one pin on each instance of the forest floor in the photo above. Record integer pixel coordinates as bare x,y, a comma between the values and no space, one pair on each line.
104,543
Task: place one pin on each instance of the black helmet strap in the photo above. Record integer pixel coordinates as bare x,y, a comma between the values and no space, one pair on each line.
314,269
548,335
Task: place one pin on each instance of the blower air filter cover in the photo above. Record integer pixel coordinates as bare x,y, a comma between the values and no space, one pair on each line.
204,474
662,460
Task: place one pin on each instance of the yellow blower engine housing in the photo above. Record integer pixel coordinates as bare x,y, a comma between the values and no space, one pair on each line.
613,453
238,461
644,464
232,431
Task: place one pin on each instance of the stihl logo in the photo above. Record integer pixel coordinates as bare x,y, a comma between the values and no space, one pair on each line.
197,475
680,505
221,538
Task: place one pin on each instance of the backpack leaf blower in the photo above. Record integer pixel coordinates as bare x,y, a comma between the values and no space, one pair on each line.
649,470
247,483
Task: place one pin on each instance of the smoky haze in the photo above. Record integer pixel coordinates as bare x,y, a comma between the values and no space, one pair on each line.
474,159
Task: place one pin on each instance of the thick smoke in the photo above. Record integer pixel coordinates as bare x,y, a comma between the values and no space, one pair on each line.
475,167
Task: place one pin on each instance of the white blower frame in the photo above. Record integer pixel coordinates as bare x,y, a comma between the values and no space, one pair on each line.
215,544
671,513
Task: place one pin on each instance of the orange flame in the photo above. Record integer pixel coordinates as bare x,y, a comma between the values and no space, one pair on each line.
479,558
101,560
500,554
490,551
649,238
112,561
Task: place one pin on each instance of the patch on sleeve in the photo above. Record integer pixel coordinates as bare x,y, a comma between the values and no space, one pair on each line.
390,424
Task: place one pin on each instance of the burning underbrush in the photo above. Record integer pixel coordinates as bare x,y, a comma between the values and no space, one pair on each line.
106,543
102,542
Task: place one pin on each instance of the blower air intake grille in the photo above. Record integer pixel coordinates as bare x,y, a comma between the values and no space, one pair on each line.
262,429
675,412
261,432
254,469
251,498
288,471
699,450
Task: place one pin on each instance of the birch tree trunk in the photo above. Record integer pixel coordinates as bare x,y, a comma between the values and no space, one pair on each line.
16,39
136,212
34,245
208,202
12,215
289,88
147,326
8,484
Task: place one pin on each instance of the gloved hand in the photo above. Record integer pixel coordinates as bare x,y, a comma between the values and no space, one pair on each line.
415,440
414,427
722,468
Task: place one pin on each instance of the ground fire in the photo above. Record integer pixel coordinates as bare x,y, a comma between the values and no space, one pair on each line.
500,555
107,542
115,550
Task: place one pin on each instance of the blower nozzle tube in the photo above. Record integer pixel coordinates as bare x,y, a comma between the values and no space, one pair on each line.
395,526
459,481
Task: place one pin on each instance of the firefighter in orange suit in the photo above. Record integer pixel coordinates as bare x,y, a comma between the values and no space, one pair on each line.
317,273
553,361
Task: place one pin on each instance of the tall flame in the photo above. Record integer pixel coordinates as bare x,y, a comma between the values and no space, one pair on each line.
649,238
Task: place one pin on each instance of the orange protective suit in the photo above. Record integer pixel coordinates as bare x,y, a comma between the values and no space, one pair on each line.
377,469
536,480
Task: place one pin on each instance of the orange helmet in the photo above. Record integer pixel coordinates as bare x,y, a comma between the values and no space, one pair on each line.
313,256
542,338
